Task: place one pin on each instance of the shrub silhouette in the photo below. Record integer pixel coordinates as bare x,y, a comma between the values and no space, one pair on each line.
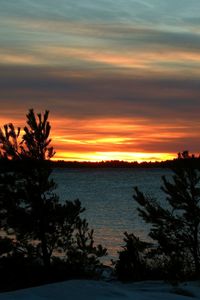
131,264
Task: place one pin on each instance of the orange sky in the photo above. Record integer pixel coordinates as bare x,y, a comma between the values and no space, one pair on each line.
114,138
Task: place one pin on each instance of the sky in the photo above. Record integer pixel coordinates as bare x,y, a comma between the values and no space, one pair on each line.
121,78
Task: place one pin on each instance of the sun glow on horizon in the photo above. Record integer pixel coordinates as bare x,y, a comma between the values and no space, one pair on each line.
109,156
120,138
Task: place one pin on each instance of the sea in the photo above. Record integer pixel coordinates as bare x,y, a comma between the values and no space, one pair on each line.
107,195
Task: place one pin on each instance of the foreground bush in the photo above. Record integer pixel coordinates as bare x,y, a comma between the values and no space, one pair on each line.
131,264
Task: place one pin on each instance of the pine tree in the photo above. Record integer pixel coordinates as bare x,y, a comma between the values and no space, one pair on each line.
29,201
176,222
42,225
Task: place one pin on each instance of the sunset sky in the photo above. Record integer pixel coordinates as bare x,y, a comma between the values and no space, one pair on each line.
121,78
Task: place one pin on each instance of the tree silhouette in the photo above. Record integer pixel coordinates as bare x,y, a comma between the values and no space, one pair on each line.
176,222
41,224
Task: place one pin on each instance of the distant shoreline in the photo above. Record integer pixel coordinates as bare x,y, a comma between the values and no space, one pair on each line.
120,164
61,164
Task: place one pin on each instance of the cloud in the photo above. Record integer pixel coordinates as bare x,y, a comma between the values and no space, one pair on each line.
91,97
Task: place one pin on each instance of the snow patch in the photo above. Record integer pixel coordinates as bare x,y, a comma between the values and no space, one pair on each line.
100,290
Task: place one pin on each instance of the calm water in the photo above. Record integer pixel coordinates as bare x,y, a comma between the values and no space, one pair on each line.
107,195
